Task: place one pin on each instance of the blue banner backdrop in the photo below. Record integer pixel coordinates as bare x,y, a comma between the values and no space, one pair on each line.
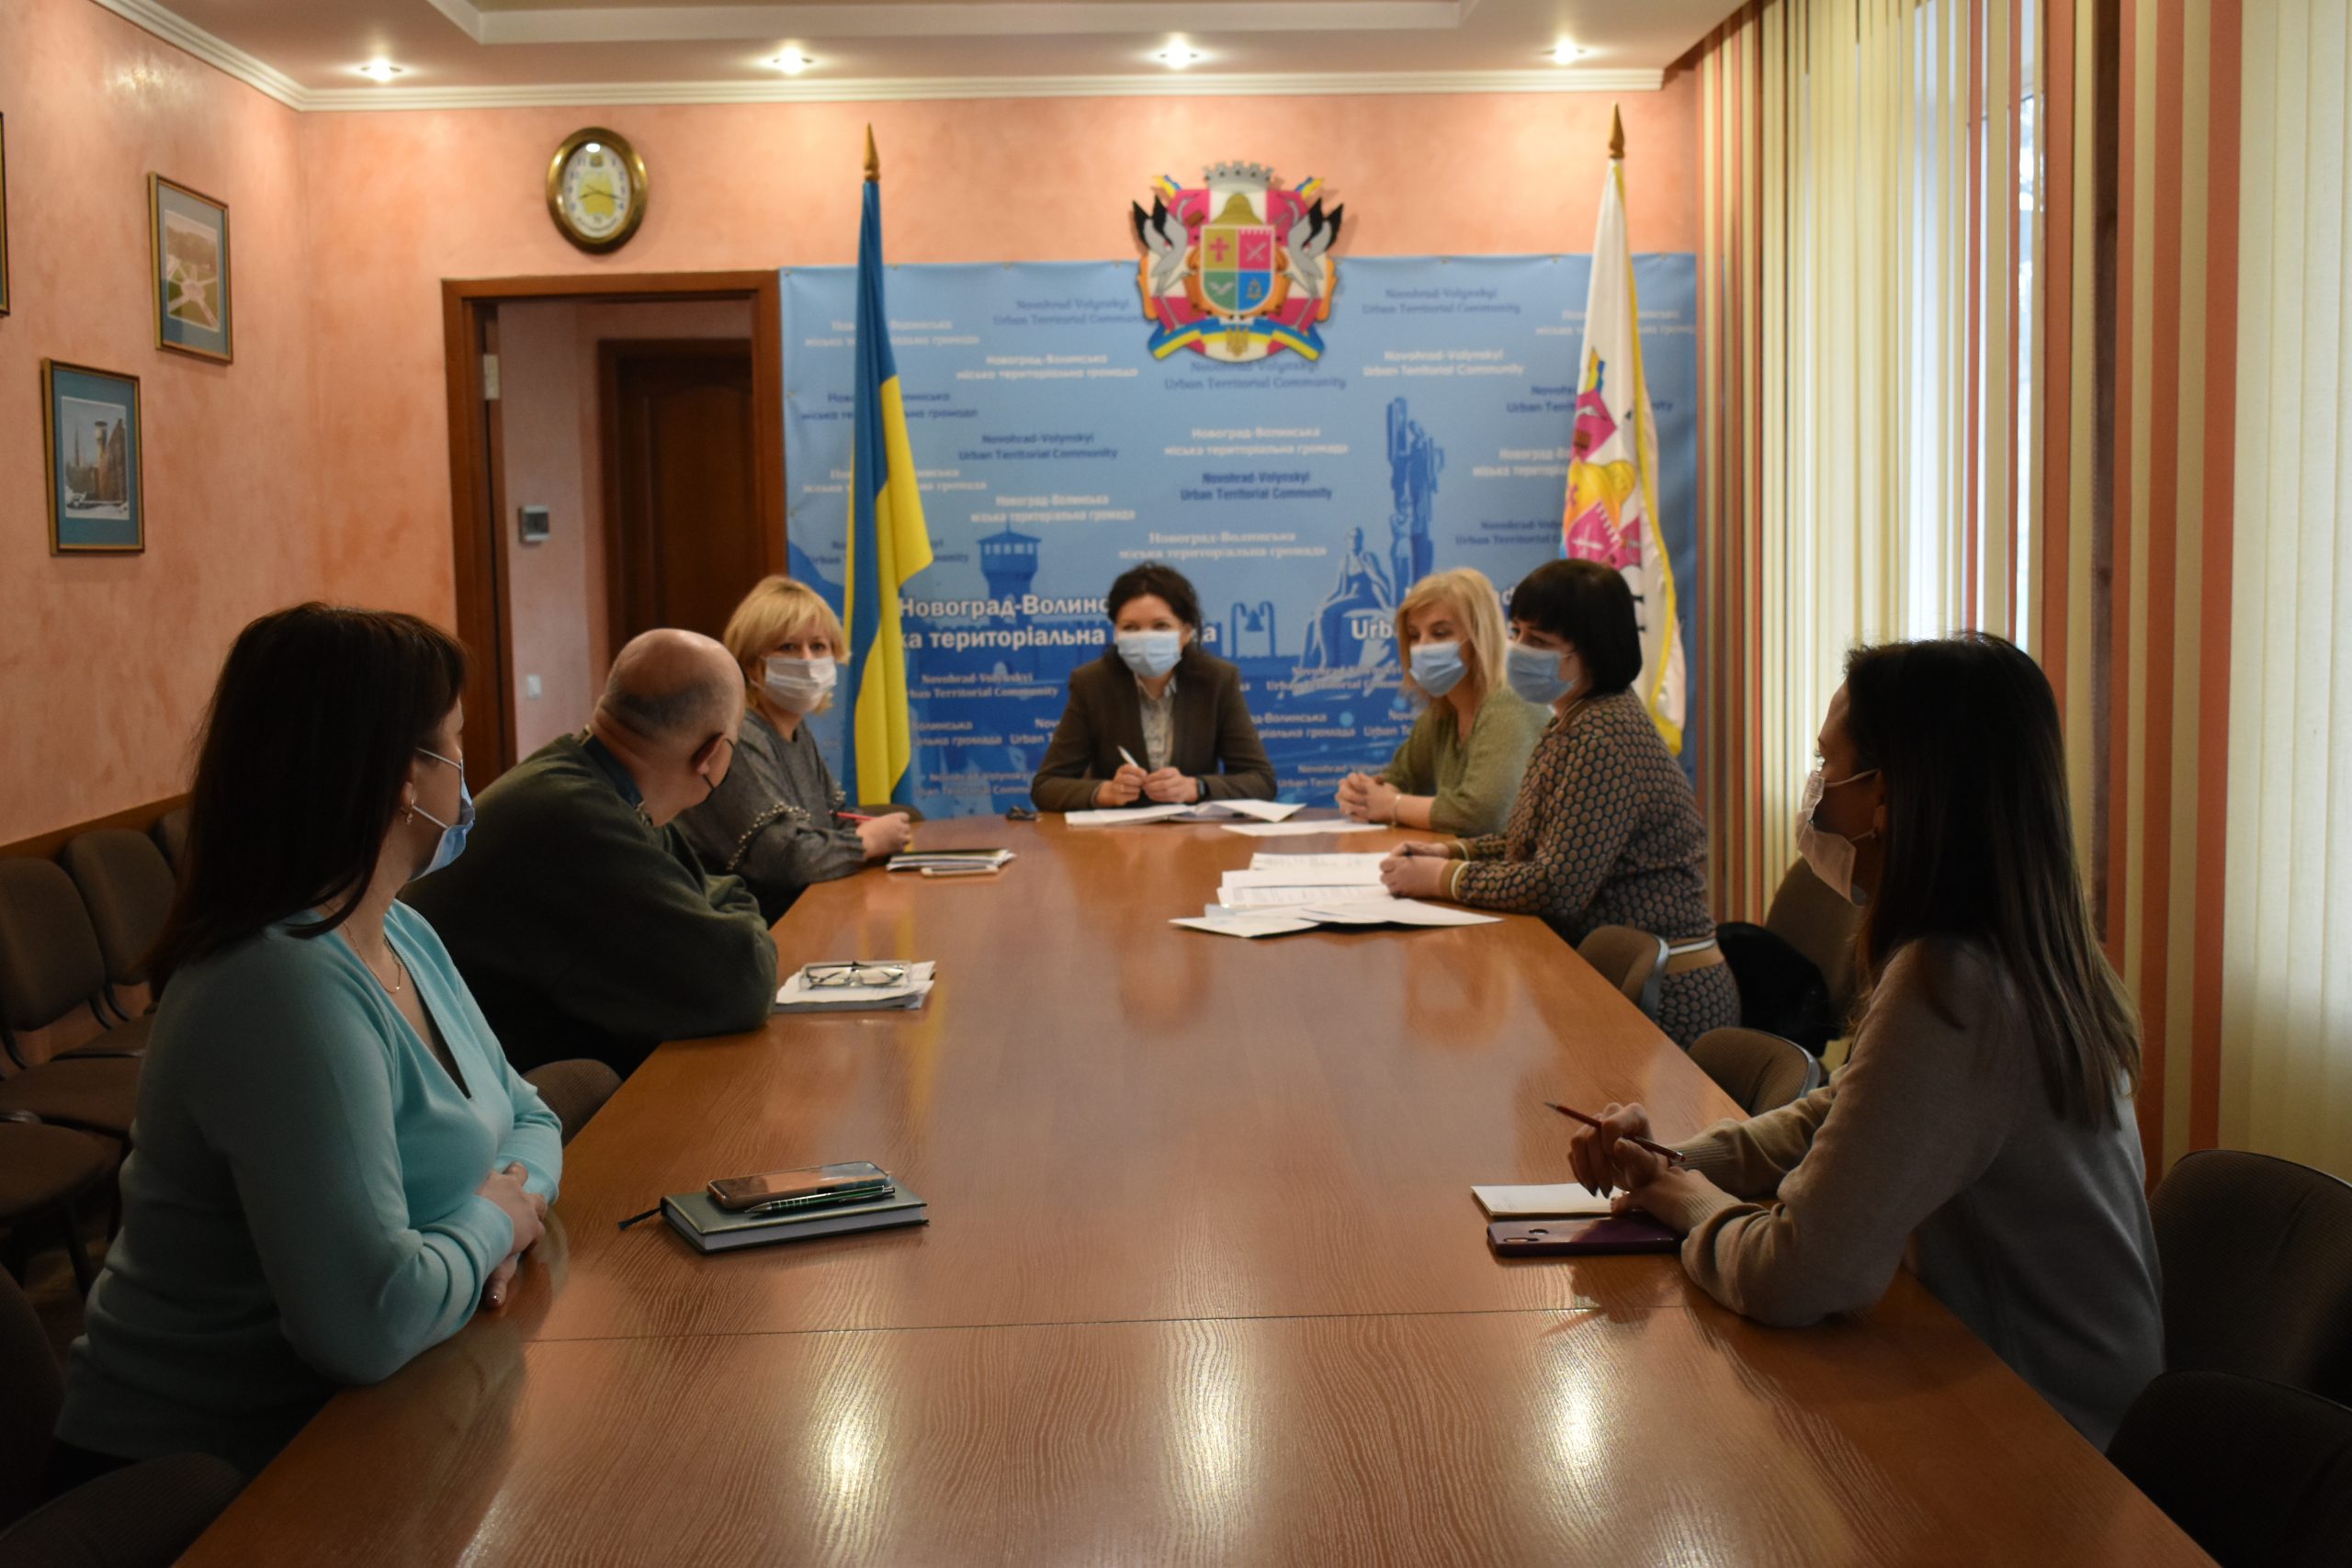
1302,497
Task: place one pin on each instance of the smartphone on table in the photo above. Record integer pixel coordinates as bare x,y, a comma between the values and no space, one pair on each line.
810,1187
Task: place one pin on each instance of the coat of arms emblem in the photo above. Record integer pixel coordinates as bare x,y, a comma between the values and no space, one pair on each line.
1238,268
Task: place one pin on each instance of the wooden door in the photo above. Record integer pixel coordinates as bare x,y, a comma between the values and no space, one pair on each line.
682,507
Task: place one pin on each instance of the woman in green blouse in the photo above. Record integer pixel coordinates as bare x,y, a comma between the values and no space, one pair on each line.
1459,769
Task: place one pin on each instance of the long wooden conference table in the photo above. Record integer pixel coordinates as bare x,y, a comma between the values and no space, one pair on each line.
1203,1283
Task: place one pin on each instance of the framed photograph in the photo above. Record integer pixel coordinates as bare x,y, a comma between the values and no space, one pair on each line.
188,238
4,214
92,443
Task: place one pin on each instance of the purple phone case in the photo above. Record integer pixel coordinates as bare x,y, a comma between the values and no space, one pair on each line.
1635,1232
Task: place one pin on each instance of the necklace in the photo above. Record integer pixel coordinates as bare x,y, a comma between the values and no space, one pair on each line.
398,981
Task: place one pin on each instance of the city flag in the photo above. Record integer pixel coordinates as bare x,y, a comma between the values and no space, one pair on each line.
888,541
1612,513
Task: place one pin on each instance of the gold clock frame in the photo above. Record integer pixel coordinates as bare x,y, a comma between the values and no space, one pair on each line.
639,187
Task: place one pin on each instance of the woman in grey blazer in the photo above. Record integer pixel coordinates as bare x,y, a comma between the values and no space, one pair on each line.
1155,720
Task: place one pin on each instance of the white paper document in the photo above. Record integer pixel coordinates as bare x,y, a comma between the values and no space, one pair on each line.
1233,897
909,994
1268,859
1562,1201
1365,873
1388,910
1297,830
1272,923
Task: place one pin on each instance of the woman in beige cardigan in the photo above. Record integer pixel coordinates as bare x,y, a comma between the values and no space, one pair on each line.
1983,1127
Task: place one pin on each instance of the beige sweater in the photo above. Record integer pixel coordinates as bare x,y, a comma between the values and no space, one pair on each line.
1936,1144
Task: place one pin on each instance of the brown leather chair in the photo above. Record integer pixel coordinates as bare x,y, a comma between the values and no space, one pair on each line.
142,1515
2257,1269
171,837
2257,1473
1761,1072
50,968
126,885
574,1090
43,1170
1633,960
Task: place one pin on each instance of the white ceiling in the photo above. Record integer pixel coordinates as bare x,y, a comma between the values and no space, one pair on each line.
467,52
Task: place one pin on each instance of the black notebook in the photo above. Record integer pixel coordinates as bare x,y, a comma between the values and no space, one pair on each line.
709,1228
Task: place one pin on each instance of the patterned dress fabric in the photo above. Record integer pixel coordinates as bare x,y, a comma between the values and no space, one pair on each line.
1606,832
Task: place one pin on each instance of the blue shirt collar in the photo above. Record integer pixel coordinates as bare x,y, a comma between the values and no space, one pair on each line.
610,766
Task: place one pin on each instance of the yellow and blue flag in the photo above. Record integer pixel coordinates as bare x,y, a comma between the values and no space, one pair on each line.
888,541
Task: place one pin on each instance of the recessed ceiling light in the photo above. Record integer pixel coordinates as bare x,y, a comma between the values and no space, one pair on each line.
792,62
380,70
1567,52
1178,54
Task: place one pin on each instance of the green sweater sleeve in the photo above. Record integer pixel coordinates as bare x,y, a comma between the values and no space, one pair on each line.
297,1097
1413,767
1493,763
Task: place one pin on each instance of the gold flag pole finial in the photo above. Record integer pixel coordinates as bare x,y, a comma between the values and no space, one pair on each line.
873,159
1616,132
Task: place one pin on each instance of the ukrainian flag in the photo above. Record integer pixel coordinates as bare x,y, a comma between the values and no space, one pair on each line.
888,541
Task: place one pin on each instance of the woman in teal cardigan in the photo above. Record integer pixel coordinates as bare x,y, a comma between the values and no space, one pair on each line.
334,1163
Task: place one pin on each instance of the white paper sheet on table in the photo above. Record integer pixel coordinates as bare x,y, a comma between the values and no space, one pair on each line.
1265,860
1300,829
1233,897
1364,873
1393,911
1560,1200
1263,811
1246,923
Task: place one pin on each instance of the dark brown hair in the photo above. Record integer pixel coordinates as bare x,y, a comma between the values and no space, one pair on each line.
1589,605
1153,577
307,745
1980,846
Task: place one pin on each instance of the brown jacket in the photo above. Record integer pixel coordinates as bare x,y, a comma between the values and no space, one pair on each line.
1214,741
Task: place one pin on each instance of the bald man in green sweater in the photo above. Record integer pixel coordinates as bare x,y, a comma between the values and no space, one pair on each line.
579,915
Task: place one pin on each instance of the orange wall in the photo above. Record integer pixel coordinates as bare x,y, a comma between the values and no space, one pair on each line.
322,467
106,661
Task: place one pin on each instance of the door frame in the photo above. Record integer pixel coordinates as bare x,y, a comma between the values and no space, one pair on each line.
479,548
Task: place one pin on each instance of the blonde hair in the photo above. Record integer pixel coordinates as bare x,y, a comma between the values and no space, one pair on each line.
1466,591
776,608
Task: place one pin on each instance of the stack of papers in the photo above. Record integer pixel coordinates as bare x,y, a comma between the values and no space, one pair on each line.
910,993
1274,881
1356,911
952,862
1200,811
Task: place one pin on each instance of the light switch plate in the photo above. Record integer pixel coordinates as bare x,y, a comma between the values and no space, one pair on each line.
532,524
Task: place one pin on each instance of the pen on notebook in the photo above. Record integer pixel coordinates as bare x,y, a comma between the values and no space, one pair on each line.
1128,758
1671,1157
853,815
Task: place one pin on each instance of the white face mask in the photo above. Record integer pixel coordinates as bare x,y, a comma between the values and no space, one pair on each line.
797,685
1831,855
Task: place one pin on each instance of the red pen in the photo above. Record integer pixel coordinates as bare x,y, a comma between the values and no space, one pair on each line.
852,816
1671,1157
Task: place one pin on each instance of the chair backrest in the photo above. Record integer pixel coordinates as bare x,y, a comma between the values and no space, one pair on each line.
2256,1473
2257,1269
31,1389
171,837
1628,959
50,961
1819,924
1762,1072
574,1089
127,885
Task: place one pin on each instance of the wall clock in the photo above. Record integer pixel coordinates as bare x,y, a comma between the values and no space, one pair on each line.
596,188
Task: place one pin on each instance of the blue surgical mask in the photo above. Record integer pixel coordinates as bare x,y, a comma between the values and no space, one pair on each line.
453,834
798,685
1831,855
1534,674
1151,654
1438,667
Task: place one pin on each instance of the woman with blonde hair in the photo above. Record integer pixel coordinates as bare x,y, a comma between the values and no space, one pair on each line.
777,820
1459,769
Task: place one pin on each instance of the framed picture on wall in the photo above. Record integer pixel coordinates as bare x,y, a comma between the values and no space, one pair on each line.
4,214
91,436
188,238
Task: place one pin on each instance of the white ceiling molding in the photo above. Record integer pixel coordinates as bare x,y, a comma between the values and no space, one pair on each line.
589,95
1012,19
258,74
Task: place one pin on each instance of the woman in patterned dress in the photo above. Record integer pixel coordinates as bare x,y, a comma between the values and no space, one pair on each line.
1605,830
772,820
